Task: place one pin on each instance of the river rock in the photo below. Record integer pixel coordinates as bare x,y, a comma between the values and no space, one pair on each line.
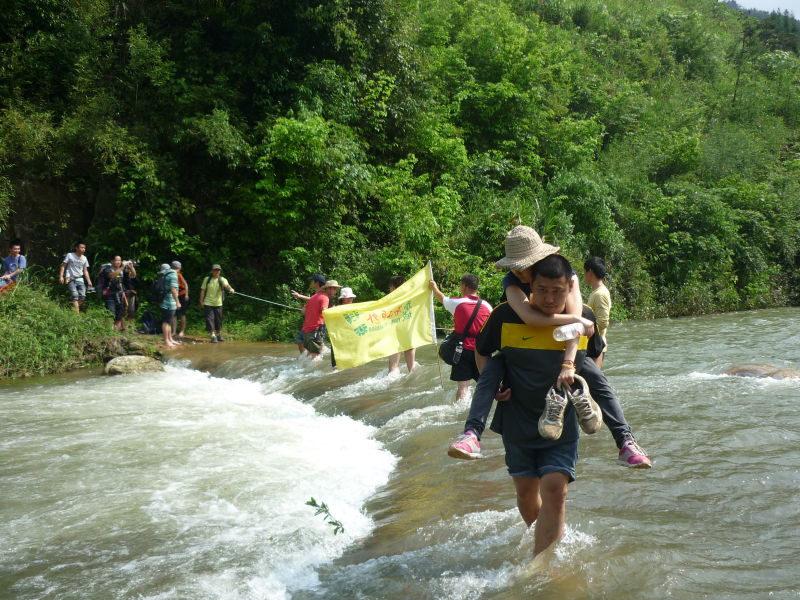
763,371
131,365
134,347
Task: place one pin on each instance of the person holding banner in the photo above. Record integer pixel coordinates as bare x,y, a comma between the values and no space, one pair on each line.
313,322
346,296
394,360
315,282
462,307
398,322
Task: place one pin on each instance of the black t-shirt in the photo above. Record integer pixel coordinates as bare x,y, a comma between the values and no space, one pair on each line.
533,362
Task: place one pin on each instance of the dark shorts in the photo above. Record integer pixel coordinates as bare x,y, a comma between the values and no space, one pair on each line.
167,315
537,462
213,318
313,341
298,337
183,305
116,305
466,368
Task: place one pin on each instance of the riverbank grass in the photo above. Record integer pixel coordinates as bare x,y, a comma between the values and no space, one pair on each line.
39,336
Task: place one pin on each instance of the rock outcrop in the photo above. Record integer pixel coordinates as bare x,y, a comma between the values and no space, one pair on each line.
763,371
132,364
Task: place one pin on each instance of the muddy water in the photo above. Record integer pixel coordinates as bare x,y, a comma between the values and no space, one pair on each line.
192,484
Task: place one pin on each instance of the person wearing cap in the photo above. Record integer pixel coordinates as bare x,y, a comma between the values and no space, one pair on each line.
524,248
211,297
169,304
315,282
462,307
183,299
346,296
313,322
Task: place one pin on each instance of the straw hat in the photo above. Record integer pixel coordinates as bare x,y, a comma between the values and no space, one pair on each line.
524,248
331,283
347,293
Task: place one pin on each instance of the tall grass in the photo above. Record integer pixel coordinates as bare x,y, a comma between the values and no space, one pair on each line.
38,335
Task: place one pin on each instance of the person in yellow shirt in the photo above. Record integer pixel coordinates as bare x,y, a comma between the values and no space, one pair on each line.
211,298
599,300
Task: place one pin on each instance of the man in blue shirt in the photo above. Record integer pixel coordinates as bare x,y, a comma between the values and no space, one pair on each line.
13,265
169,304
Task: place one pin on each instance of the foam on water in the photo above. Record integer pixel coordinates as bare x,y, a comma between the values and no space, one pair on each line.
195,489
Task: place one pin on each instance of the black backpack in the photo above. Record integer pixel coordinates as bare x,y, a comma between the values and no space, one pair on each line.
158,291
150,325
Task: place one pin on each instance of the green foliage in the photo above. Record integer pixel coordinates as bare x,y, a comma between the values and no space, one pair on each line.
322,509
38,335
362,138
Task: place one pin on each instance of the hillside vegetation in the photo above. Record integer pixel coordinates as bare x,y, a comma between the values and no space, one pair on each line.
361,138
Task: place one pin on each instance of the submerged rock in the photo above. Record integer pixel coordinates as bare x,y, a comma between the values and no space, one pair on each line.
763,371
131,365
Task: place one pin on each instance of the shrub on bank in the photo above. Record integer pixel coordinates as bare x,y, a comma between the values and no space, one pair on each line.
39,336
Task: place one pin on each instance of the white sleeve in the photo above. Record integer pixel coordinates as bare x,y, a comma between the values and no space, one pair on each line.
451,304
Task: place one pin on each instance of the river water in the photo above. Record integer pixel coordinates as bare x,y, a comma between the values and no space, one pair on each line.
192,484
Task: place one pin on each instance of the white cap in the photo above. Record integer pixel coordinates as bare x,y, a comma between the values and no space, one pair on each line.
347,293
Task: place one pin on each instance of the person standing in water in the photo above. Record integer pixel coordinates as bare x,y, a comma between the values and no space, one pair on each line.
394,359
462,307
346,296
594,272
541,468
315,282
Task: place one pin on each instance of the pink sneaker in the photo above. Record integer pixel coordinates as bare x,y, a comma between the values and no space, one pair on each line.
631,455
466,446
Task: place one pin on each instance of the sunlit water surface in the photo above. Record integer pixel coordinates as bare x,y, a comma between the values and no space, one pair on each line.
193,484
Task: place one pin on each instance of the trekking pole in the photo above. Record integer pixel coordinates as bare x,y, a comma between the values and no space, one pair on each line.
268,301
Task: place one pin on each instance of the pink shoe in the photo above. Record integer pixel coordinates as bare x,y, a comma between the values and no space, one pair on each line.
631,455
466,446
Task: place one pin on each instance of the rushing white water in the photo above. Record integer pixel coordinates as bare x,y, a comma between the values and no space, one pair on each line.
187,486
175,485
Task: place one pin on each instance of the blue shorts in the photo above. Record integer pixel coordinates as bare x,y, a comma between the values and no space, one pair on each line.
298,338
77,289
537,462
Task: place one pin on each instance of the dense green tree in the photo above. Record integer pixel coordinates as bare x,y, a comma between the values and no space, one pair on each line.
361,138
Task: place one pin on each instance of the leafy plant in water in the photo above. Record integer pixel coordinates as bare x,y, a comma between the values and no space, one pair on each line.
322,509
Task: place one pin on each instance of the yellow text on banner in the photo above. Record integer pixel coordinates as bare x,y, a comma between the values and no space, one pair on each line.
399,321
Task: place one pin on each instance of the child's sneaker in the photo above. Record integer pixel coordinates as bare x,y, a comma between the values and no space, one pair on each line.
552,420
214,339
466,446
589,415
631,455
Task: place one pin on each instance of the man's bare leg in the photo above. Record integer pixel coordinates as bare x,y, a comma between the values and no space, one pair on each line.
550,524
462,390
528,500
410,356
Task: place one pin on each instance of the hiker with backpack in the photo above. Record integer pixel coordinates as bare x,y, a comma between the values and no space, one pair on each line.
111,288
212,294
166,292
183,300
